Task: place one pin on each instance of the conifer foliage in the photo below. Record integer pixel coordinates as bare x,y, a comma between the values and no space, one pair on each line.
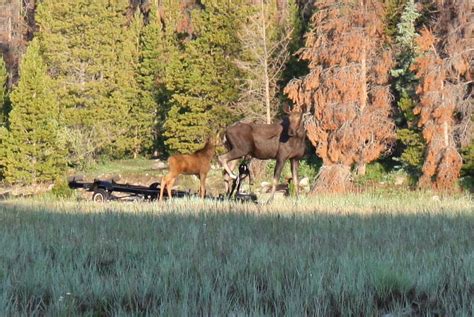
3,92
203,78
32,149
96,77
125,78
3,116
405,83
346,89
157,45
445,107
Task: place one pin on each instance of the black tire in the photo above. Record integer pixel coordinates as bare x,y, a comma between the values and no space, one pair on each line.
154,185
100,195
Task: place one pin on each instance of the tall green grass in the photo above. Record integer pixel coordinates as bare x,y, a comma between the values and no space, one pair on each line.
327,256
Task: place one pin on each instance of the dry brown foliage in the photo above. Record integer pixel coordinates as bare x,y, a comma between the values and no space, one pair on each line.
347,88
185,24
445,107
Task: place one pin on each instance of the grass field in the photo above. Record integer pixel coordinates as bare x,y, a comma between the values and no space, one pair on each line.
367,255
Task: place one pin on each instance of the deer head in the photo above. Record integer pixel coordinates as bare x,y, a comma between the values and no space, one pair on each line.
295,118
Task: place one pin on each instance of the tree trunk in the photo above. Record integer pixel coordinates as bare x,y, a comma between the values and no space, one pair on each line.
334,178
363,79
361,168
361,165
265,64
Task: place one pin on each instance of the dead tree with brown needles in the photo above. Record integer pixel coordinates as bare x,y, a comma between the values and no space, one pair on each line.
445,107
346,88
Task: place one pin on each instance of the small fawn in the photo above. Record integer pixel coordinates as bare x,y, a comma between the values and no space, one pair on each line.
198,163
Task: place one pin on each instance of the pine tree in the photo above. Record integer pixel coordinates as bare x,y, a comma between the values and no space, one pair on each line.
405,83
4,109
266,40
144,114
157,44
203,78
445,108
347,89
33,151
138,119
92,57
393,12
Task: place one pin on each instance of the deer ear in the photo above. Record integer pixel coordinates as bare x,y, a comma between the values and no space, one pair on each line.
286,109
217,137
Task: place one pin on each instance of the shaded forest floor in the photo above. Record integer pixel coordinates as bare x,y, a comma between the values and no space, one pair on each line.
145,172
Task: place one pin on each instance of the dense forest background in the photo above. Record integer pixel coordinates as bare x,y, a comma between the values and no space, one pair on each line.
387,81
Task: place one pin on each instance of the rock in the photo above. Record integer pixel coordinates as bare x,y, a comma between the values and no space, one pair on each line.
265,187
304,182
399,180
159,165
265,184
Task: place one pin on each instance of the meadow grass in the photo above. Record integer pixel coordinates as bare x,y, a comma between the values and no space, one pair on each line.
367,254
135,166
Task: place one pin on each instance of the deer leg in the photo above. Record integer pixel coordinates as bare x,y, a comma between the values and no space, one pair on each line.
164,180
170,186
251,174
202,190
230,156
276,176
294,174
227,178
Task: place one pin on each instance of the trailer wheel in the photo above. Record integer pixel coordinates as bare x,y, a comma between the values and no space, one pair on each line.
100,195
154,185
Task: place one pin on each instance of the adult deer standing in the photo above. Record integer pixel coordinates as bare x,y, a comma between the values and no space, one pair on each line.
198,163
281,141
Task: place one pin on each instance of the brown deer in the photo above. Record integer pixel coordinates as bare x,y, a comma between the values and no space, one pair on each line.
280,141
198,163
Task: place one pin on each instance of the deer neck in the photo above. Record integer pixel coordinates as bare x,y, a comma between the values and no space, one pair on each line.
208,150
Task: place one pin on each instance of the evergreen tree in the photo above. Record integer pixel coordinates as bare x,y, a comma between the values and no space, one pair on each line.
138,119
346,88
3,150
92,58
393,12
296,67
203,78
3,92
33,152
445,109
405,84
4,109
143,115
156,46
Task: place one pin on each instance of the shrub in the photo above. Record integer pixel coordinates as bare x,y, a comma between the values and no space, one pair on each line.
61,189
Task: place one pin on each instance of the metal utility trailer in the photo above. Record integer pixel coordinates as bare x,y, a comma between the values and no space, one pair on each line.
234,193
104,190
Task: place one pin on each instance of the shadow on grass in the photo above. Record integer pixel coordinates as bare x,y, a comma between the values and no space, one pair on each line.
221,263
